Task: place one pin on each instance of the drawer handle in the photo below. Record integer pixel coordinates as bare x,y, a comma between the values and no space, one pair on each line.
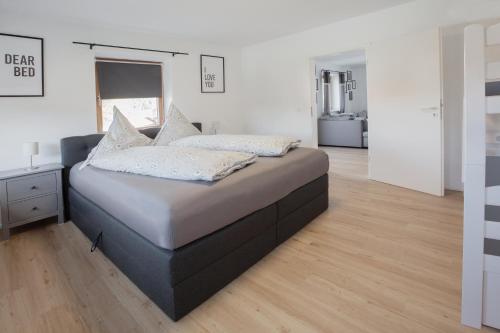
34,208
34,187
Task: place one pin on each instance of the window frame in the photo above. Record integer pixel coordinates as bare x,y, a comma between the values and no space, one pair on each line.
161,107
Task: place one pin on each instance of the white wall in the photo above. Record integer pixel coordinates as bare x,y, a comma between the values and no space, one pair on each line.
68,107
359,100
277,72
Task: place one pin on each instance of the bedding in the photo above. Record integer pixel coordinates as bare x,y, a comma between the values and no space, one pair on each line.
120,135
172,213
174,162
176,126
262,145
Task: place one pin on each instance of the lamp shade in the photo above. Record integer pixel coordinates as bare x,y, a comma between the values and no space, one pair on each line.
30,148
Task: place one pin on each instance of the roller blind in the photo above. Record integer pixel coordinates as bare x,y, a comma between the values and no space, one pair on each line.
128,80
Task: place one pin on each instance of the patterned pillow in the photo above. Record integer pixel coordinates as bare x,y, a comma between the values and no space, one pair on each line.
175,162
176,126
121,135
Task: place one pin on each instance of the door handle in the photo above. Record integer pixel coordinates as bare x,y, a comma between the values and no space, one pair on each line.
435,110
430,109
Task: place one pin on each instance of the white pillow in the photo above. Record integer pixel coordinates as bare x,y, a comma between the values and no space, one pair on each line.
176,126
261,145
121,135
175,162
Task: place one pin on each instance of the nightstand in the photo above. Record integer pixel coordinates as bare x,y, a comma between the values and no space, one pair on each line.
30,195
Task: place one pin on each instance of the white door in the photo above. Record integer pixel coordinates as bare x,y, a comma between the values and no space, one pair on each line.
404,111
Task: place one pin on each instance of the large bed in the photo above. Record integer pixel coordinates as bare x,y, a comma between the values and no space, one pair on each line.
182,241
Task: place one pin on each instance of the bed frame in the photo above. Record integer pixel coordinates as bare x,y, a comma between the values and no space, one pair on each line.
181,279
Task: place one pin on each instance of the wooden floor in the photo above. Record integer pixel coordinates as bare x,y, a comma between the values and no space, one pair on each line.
381,259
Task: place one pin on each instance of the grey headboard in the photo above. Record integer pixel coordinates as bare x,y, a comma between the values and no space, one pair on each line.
75,149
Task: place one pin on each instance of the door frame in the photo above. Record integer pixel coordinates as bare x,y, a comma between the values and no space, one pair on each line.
314,102
442,109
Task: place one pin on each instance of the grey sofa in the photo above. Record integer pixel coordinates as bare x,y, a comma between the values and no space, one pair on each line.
342,133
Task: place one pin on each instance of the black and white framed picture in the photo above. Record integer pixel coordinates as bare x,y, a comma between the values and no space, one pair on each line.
349,75
349,85
21,66
212,74
354,84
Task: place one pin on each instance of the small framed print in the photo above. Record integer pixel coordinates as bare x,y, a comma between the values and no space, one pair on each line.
349,86
212,74
21,66
353,85
349,75
350,95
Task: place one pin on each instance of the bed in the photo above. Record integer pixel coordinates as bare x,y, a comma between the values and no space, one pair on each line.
182,241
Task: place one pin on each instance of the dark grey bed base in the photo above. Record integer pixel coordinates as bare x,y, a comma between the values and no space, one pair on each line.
179,280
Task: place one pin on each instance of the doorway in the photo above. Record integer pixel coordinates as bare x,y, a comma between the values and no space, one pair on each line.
341,100
404,108
342,111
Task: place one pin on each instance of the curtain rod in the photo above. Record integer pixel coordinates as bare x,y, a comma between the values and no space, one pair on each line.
92,45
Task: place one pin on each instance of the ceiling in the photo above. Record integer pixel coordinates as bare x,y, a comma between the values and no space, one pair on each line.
350,58
236,22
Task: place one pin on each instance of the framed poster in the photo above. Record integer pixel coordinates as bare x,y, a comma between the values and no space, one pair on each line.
349,76
212,74
21,66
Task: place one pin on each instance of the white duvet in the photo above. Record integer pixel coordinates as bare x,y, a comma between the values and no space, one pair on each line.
262,145
183,163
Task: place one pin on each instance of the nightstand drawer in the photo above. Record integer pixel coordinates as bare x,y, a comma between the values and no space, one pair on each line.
32,208
31,186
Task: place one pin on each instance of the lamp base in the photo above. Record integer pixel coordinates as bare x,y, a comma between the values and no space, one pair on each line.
31,167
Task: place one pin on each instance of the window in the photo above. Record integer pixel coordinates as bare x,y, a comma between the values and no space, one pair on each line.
142,112
135,88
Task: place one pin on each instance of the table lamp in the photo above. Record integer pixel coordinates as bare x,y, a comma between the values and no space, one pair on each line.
30,148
